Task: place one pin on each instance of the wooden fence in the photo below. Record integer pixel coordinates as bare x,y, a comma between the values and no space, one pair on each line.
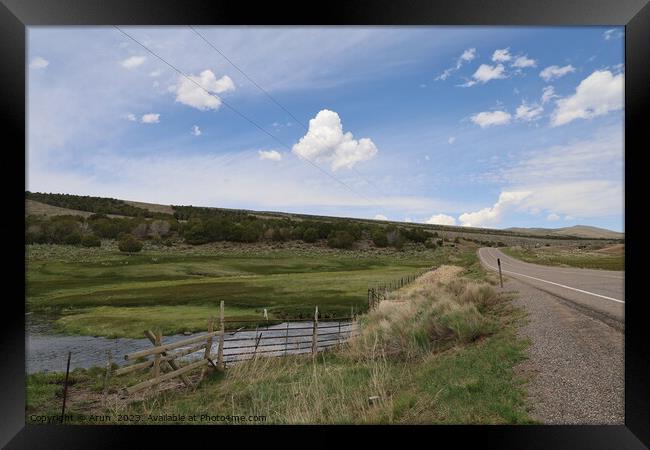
380,292
234,345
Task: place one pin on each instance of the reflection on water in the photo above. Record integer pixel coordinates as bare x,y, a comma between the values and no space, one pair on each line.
47,350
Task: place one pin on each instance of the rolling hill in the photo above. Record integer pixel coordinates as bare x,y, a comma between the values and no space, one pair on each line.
582,231
50,205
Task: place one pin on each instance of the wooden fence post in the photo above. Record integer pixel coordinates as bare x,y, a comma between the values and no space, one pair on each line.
156,361
220,361
286,340
208,346
314,337
65,388
500,276
107,376
171,363
257,342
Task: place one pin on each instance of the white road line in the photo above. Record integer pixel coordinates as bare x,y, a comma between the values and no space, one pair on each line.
556,284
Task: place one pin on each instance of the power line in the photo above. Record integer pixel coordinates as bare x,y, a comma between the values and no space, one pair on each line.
243,116
380,191
247,77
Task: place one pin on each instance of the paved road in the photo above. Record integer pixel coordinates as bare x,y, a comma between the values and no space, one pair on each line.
599,291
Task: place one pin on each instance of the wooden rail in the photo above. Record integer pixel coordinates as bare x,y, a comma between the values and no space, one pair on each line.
164,364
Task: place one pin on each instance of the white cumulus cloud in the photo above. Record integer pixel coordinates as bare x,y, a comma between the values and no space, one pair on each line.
326,142
553,72
132,62
489,118
486,73
529,112
598,94
131,117
150,118
189,93
552,217
501,55
522,62
271,155
468,54
196,131
492,215
441,219
39,63
380,217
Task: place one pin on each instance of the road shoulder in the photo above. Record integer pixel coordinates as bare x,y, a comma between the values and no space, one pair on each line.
576,362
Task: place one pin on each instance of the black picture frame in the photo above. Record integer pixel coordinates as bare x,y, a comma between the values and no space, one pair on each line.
16,15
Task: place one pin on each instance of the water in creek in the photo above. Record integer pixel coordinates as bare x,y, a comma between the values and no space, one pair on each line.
47,351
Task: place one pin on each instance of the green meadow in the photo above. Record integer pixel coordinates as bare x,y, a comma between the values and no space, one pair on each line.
103,292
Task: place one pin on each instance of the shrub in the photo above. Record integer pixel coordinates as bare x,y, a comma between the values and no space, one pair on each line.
430,243
340,239
73,238
195,234
310,235
90,240
467,323
129,244
379,238
282,234
481,295
416,235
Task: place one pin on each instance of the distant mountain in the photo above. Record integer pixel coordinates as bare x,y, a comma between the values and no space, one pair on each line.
583,231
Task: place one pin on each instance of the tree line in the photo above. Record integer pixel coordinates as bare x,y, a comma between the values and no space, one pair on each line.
89,231
200,225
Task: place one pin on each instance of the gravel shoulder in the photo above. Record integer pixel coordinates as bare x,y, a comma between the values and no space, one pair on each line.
576,362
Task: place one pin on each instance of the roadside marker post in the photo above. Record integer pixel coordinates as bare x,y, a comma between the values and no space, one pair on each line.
500,276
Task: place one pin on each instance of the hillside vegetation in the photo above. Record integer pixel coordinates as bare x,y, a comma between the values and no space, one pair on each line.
108,218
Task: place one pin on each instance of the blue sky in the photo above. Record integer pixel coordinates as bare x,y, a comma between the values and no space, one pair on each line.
474,126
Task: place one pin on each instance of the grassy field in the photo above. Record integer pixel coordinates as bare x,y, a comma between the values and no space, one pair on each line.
609,258
447,355
102,292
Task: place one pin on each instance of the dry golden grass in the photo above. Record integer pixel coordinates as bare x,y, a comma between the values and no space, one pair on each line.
438,308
